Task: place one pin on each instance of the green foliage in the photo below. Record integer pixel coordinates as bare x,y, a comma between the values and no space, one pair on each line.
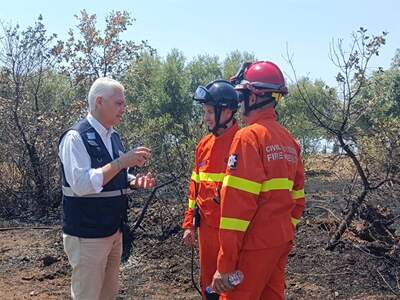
296,116
233,61
383,90
361,113
160,110
55,92
203,69
26,58
379,147
396,59
379,131
98,54
176,100
41,81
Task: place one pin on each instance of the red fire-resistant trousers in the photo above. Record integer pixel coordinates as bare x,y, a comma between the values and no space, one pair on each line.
209,247
264,274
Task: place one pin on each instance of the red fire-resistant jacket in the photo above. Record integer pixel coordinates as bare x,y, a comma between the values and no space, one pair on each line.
262,196
211,157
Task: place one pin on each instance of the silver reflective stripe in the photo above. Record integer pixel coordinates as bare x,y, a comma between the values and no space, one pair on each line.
67,191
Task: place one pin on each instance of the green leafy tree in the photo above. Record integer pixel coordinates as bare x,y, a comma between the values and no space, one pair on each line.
294,114
379,129
233,61
396,59
26,58
98,54
344,115
203,69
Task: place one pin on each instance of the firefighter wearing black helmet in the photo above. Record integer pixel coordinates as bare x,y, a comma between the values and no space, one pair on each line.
219,102
221,96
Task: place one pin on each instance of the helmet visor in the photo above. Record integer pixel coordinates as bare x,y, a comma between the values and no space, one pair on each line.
266,86
202,95
263,87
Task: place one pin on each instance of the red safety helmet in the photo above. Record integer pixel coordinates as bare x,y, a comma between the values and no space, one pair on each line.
262,78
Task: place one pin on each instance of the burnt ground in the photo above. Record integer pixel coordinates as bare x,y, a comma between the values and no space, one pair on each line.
34,266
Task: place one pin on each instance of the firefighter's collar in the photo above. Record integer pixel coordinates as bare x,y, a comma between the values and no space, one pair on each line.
262,114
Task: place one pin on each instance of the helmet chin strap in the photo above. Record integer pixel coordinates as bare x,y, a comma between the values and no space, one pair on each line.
218,125
248,108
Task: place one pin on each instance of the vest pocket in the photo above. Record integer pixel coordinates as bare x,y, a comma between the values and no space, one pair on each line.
101,213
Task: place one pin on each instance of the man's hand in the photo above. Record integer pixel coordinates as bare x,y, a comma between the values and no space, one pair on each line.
135,157
189,238
220,283
141,181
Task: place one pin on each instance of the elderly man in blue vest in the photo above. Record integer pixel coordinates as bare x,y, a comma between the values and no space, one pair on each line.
95,187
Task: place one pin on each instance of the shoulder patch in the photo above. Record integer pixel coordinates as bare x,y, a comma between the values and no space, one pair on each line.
232,161
91,135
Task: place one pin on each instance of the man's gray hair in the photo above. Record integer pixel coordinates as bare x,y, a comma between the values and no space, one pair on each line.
104,87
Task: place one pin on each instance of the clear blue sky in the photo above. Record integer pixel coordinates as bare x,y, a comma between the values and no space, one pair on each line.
263,27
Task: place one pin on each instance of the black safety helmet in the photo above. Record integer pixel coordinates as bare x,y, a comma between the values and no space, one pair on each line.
220,94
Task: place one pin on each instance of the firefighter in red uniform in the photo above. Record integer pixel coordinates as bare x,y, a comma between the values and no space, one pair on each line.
262,195
219,103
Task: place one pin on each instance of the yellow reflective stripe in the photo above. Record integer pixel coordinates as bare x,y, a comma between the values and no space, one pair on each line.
297,194
195,177
192,203
277,184
233,224
295,221
213,177
242,184
255,188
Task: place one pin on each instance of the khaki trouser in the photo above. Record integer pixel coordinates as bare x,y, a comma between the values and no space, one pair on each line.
95,266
